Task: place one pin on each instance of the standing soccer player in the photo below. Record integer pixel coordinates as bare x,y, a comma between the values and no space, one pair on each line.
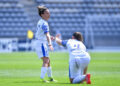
78,58
43,40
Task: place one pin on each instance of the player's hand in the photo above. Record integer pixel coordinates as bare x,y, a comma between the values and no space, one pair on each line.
51,47
52,38
58,36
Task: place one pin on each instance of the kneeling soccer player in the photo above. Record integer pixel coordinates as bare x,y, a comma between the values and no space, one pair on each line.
78,58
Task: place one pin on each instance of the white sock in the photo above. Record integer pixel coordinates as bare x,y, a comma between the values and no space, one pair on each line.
49,72
79,79
43,72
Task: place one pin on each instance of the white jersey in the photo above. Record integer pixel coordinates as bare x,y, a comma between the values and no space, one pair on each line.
42,28
76,49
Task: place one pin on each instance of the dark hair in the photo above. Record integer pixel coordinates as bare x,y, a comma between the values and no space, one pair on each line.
41,9
78,36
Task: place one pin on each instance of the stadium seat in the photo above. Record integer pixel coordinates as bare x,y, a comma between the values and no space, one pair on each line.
13,17
101,15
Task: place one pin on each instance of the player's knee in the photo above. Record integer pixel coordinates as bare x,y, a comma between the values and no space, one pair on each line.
46,61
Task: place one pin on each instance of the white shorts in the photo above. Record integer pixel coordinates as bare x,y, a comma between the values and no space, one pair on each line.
77,66
41,49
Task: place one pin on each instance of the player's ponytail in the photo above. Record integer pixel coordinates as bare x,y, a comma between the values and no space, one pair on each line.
41,10
78,36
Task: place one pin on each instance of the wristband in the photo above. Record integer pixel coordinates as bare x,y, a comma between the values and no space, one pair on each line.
49,45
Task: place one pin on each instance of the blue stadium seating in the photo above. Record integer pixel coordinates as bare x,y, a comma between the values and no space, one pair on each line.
14,22
103,16
74,15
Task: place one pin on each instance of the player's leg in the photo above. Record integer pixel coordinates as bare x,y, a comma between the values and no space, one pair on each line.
80,77
85,70
44,68
87,78
71,80
49,73
45,61
41,50
84,65
49,68
70,73
73,70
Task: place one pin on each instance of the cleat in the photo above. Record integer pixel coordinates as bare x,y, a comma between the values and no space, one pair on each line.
52,80
45,81
88,81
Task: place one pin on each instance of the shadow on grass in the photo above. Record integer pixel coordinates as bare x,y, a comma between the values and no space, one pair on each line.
42,82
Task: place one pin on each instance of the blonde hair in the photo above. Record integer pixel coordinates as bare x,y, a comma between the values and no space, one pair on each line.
41,9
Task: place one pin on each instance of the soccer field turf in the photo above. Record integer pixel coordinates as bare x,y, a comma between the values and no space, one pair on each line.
23,69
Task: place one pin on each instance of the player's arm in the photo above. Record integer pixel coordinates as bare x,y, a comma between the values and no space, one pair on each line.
49,40
60,42
45,28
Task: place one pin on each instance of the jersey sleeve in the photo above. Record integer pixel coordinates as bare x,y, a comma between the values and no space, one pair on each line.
45,28
64,43
68,43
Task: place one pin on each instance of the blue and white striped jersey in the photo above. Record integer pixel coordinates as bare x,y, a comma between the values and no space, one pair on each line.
42,29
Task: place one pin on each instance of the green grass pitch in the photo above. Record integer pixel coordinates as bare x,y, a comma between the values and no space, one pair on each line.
23,69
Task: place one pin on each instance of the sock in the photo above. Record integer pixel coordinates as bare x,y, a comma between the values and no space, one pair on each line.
43,72
79,79
49,72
